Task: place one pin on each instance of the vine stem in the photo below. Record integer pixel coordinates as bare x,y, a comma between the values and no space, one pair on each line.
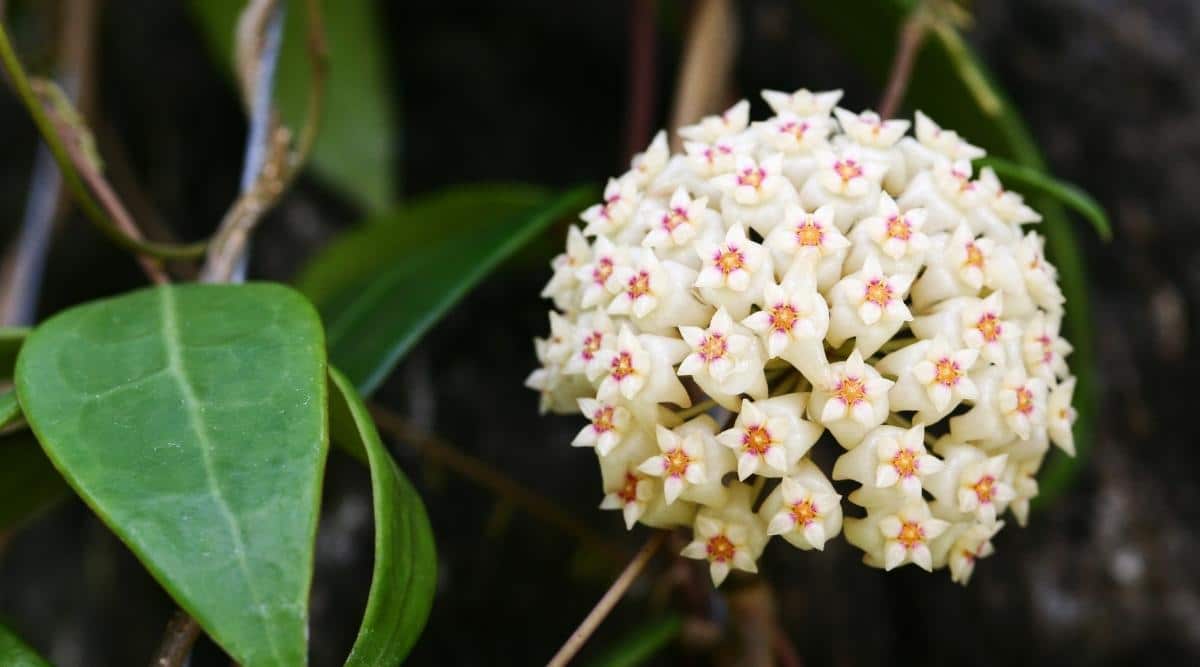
271,162
181,633
608,601
69,169
912,35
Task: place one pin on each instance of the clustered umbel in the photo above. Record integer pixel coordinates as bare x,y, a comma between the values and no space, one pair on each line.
817,272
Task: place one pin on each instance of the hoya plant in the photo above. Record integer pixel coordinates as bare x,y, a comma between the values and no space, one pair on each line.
828,323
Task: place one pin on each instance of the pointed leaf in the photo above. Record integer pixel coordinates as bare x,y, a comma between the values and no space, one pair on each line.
191,419
384,285
29,484
355,150
405,574
15,653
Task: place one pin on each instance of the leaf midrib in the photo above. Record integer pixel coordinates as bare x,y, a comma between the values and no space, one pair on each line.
174,351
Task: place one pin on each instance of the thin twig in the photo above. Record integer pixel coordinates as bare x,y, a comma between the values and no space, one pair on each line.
484,475
608,601
269,168
643,49
181,633
111,202
912,35
28,260
83,197
707,63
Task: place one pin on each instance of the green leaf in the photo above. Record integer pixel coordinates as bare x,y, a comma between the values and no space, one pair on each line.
29,484
191,419
1066,193
356,148
384,285
640,645
11,339
15,653
952,85
10,409
405,575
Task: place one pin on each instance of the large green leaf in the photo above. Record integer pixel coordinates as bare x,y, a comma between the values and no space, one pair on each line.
29,484
383,285
11,339
192,420
15,653
405,574
356,149
952,85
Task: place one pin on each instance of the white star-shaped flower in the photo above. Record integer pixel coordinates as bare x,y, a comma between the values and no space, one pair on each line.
726,360
680,463
895,235
803,102
611,425
868,129
792,322
752,183
931,378
982,490
1043,350
724,544
974,543
985,331
648,164
868,306
733,273
1009,205
803,237
563,286
640,369
593,332
1041,277
610,216
760,442
655,293
1060,416
852,400
710,128
595,273
907,534
677,224
945,142
790,134
631,495
804,509
903,462
848,174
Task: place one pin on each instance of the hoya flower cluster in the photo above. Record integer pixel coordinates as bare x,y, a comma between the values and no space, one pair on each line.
819,272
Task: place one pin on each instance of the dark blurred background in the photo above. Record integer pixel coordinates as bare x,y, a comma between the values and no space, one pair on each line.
537,91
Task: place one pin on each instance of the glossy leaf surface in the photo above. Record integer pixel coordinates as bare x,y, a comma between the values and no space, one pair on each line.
192,420
405,571
384,285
